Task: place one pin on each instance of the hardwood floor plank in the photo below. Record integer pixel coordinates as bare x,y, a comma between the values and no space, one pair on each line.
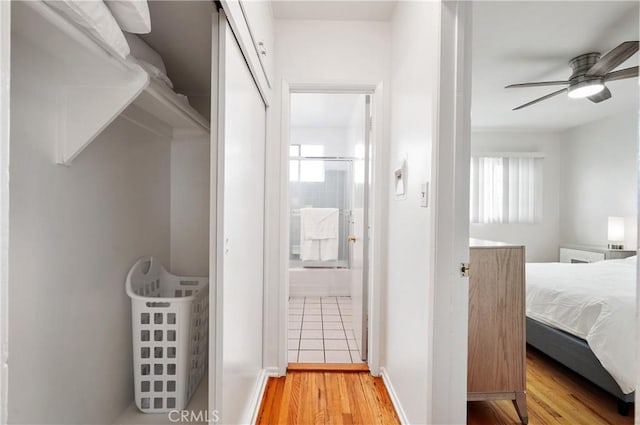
345,407
293,393
307,407
384,401
334,399
270,405
341,398
354,401
372,400
555,396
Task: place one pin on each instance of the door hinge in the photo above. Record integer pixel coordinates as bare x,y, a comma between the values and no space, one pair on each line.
464,269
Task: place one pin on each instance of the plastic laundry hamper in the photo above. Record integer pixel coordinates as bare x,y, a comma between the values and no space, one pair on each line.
170,320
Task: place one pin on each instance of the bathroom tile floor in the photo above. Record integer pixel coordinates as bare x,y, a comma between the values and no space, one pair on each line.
321,331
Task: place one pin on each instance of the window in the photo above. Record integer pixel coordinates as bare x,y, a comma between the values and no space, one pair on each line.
506,189
358,165
306,170
294,164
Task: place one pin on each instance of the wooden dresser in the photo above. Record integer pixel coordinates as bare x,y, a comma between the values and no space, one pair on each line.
497,342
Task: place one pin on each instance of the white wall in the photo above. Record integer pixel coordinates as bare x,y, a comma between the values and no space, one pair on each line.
600,180
313,52
74,234
334,139
414,65
355,128
541,239
190,207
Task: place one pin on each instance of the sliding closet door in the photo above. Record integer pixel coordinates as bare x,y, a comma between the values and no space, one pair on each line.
240,232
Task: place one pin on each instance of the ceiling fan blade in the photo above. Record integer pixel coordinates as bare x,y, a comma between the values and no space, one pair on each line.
542,83
555,93
600,96
612,59
622,74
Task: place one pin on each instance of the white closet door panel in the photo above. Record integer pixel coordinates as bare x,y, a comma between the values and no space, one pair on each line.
242,256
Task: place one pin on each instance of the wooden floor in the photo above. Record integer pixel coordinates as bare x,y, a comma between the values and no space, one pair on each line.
313,397
555,395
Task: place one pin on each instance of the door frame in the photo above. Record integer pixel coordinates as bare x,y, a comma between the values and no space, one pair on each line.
5,91
376,205
449,300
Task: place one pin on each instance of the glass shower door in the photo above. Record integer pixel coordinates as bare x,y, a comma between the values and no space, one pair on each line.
319,183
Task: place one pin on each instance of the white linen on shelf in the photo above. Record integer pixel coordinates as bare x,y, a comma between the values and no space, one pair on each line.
94,16
142,51
593,301
131,15
153,71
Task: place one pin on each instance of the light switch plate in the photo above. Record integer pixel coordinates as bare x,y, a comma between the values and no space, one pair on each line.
424,195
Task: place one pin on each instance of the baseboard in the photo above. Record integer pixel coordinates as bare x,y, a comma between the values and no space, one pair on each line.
394,397
328,367
256,397
273,372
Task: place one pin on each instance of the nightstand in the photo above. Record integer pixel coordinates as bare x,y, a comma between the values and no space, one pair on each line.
586,254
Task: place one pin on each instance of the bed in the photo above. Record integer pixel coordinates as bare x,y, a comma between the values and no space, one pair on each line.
583,315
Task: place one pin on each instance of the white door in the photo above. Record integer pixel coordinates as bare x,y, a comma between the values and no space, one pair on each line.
240,232
359,239
356,264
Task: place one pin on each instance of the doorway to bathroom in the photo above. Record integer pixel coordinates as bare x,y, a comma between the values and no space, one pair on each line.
329,138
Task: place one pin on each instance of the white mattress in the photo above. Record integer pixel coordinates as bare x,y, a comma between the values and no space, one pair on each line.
595,302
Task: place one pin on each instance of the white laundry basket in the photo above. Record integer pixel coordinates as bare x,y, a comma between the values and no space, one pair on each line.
170,317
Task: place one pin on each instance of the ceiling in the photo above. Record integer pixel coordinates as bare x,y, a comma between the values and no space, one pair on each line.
346,10
323,109
517,42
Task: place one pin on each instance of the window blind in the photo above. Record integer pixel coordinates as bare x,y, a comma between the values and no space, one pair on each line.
506,189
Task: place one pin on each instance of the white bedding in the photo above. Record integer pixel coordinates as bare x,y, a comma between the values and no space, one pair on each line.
595,302
142,51
132,15
96,19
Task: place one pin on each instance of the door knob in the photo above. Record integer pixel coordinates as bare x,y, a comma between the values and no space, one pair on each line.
351,238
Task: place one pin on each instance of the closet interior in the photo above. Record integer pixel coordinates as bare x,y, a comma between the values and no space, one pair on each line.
110,161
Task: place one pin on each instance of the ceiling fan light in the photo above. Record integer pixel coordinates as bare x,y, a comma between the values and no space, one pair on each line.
585,89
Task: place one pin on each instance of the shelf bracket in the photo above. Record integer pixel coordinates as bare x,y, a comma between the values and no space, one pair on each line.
85,111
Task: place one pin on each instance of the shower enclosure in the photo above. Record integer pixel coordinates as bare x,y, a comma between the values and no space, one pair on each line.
320,183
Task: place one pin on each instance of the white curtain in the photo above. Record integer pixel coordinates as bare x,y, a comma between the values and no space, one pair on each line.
506,189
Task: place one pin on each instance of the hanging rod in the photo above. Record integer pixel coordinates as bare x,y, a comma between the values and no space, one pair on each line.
325,158
340,210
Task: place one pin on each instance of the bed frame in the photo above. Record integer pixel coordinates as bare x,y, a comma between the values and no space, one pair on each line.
574,353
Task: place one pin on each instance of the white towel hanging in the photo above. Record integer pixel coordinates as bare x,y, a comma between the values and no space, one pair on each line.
319,234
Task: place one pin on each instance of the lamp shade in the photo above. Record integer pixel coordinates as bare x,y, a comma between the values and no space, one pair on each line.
615,229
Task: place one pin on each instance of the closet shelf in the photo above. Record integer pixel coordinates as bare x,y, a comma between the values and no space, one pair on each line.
94,86
163,103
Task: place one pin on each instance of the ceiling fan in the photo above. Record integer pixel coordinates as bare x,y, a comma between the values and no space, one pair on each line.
590,72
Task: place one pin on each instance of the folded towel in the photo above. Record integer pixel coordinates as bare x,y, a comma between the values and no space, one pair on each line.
329,249
310,250
319,234
319,223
